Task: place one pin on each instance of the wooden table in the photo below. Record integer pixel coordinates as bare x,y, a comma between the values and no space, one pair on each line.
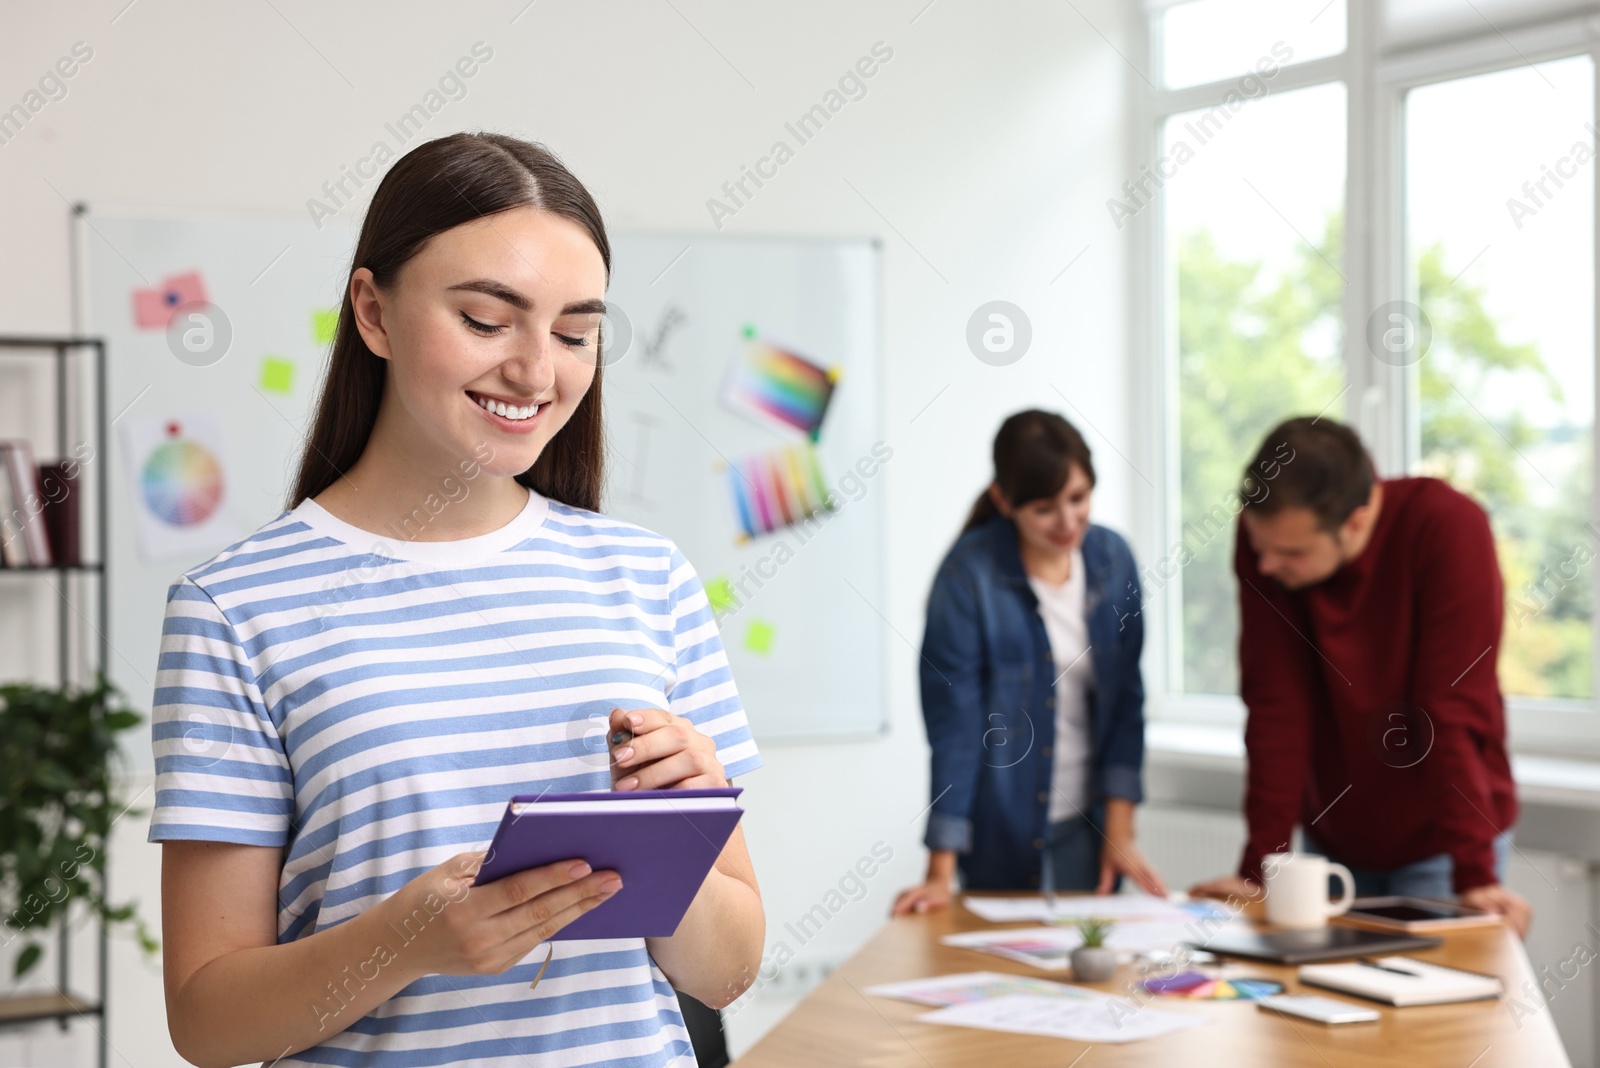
838,1025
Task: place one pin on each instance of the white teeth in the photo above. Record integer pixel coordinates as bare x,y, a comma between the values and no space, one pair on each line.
505,411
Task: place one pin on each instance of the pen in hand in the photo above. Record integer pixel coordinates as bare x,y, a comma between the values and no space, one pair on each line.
619,737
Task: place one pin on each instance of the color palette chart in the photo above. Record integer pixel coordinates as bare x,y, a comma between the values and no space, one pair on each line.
1202,987
772,383
775,489
182,482
178,475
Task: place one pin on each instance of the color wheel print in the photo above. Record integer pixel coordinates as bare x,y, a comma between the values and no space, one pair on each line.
181,481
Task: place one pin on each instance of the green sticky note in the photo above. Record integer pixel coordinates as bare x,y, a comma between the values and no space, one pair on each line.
719,591
758,636
277,374
324,324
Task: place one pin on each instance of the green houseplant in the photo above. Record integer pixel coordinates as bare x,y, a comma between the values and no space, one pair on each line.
57,804
1094,961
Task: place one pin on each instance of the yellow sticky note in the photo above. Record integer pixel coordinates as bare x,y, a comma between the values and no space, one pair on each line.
719,591
324,325
277,374
758,636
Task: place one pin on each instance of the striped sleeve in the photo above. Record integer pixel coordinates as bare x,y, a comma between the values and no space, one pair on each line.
703,691
221,771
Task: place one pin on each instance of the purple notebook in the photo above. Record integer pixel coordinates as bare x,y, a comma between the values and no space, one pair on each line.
662,843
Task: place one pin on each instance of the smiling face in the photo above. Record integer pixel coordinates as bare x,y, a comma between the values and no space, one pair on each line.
491,333
1052,526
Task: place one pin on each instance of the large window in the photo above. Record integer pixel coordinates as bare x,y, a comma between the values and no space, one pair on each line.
1254,225
1500,254
1327,191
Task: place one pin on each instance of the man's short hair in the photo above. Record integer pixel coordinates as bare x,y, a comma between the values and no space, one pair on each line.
1314,463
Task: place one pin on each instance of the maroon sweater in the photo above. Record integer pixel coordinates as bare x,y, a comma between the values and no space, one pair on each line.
1374,717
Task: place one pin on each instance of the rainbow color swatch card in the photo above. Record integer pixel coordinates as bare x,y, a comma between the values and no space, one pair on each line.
771,385
776,489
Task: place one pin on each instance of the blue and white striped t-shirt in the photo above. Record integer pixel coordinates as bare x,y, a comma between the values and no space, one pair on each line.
370,704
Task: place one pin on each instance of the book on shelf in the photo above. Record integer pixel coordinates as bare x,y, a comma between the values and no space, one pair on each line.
12,551
26,540
62,517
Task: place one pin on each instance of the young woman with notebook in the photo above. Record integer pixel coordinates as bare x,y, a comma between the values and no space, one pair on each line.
1030,681
347,698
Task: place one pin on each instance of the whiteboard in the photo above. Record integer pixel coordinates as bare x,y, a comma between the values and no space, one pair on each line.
802,627
813,667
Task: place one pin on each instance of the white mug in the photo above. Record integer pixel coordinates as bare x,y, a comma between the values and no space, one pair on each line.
1297,889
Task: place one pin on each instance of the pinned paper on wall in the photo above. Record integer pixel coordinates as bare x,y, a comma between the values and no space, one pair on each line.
153,305
758,636
177,471
324,325
719,591
775,489
277,374
773,384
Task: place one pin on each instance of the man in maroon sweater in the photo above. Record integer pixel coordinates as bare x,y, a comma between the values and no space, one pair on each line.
1370,618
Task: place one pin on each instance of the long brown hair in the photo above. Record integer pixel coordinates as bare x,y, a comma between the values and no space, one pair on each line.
436,186
1033,456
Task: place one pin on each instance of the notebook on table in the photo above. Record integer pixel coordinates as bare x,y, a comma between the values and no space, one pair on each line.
1312,944
1403,981
661,842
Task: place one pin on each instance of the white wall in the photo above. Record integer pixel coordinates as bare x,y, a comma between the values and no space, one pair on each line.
982,154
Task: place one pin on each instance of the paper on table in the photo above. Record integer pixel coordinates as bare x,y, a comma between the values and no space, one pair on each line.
975,986
1102,1019
1109,906
1048,947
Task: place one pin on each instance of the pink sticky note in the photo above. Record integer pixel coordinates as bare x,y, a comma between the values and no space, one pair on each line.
152,307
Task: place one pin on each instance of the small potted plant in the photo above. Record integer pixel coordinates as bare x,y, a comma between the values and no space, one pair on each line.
1094,961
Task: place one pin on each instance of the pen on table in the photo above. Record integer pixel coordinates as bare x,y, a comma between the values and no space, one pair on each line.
1387,968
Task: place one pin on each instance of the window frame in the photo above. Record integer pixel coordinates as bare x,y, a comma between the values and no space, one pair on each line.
1379,400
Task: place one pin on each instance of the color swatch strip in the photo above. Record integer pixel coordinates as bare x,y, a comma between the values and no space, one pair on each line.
776,489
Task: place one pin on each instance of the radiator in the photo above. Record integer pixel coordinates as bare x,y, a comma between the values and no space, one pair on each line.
1190,845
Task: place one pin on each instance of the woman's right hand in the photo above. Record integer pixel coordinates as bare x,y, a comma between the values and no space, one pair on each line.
460,929
929,897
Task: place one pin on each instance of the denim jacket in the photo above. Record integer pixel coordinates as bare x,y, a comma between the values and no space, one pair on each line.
988,699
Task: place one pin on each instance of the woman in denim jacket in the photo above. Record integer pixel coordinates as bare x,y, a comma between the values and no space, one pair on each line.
1030,684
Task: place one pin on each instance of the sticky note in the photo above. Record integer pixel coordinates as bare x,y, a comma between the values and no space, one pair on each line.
719,591
324,324
758,636
277,374
153,306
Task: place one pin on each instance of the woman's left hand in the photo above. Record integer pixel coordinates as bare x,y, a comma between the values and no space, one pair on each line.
1124,858
667,753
